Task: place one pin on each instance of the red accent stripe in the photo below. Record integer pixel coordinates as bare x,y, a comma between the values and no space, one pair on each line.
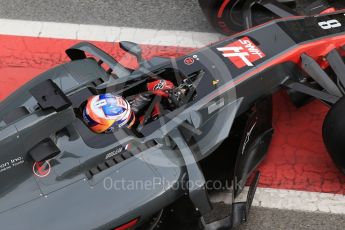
314,49
222,8
328,11
127,226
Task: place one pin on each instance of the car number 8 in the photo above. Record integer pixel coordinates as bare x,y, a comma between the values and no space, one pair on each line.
326,25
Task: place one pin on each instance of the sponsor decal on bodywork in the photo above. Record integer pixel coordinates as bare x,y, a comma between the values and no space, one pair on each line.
4,166
117,151
242,53
189,61
41,169
114,152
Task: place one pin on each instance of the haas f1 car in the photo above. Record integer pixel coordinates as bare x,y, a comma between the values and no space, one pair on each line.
57,173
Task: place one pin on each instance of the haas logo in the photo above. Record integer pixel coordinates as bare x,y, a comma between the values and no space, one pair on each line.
242,52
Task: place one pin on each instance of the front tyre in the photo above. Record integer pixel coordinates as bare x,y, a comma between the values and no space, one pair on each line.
334,133
226,16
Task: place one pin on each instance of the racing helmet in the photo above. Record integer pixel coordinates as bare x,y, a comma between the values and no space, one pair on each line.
104,112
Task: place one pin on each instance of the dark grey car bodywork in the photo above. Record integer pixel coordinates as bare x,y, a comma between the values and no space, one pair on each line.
80,191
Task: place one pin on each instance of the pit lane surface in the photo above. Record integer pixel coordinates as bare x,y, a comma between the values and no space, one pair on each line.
153,14
280,168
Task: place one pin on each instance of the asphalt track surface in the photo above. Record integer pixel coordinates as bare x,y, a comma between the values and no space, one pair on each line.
153,14
273,219
163,14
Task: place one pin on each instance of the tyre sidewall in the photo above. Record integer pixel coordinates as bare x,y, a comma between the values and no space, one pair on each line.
334,133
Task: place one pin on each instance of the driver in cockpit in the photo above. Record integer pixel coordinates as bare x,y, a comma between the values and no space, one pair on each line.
105,112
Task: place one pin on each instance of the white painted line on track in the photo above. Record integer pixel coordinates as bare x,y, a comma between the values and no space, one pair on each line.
106,33
291,200
265,197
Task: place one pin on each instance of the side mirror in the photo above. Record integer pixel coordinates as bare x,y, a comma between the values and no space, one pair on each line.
133,49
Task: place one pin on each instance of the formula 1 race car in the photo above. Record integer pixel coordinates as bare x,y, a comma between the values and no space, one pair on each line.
232,16
58,174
